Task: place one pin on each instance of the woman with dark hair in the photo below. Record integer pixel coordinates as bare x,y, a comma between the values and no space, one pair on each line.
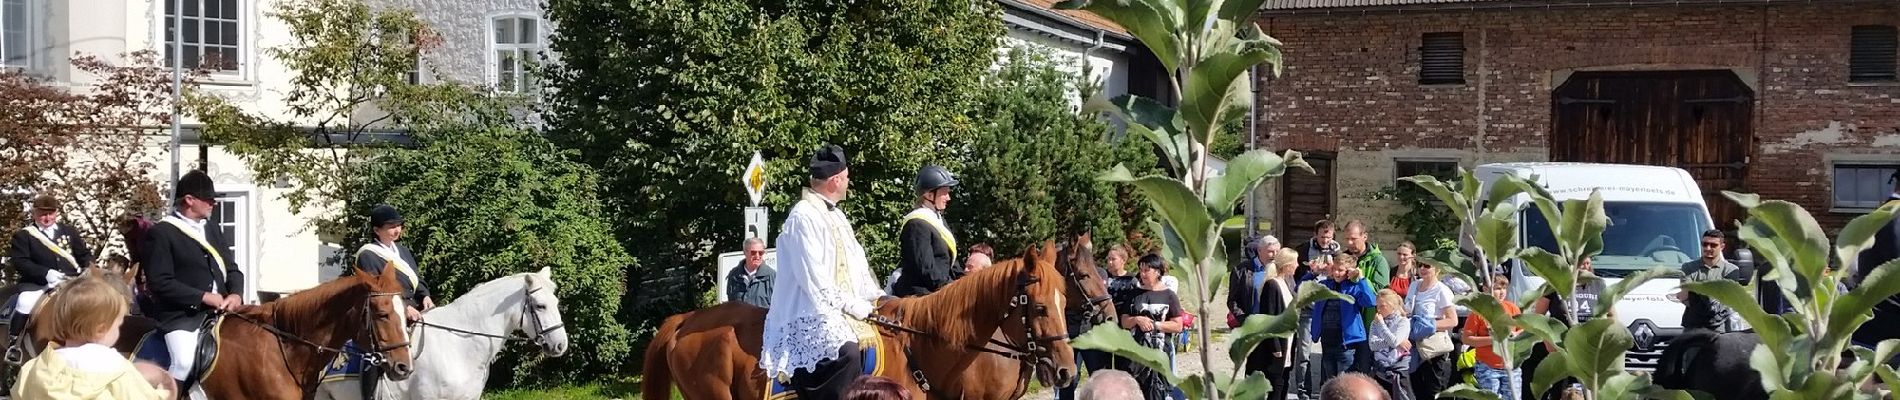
132,227
1154,316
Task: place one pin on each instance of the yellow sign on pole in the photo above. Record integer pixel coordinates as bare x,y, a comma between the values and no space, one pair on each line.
754,179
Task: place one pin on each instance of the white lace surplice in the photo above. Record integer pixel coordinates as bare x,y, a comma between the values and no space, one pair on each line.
818,298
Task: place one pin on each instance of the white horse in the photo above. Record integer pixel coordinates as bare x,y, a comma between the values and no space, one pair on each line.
456,343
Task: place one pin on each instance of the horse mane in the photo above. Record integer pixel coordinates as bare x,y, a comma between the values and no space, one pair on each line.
498,287
953,312
308,305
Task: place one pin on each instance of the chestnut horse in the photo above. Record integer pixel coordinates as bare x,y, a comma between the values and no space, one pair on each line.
972,373
719,346
278,350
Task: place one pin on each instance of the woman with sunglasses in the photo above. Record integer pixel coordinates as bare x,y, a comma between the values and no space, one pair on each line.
1434,314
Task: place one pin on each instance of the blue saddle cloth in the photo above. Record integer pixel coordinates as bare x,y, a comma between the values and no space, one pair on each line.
776,390
152,348
349,365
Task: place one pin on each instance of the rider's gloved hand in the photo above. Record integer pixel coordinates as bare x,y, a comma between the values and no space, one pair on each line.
53,278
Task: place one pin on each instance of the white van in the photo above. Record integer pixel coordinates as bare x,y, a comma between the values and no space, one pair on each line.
1656,219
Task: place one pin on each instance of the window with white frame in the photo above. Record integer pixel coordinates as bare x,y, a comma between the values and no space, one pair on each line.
212,32
15,36
1862,186
517,44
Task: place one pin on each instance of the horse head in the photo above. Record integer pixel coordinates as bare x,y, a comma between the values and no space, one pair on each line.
1086,282
1047,333
541,314
384,319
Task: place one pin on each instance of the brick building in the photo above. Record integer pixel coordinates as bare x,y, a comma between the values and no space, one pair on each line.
1794,100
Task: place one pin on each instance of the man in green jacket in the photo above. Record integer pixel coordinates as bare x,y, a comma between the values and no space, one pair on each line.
1371,261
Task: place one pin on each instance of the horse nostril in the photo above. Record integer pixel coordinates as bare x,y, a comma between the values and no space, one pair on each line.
403,369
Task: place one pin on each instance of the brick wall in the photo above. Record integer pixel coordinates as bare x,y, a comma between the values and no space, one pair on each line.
1351,85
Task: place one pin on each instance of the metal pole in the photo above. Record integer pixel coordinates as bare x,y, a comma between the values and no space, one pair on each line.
1253,143
178,67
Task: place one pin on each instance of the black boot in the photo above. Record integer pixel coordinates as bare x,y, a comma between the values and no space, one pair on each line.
371,376
17,324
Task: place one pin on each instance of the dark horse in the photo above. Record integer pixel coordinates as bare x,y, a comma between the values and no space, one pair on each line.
713,352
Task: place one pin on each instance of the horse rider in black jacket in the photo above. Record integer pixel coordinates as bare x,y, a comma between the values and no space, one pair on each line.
43,253
188,274
927,252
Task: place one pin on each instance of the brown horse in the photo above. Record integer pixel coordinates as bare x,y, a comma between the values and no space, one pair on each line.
973,376
278,350
719,346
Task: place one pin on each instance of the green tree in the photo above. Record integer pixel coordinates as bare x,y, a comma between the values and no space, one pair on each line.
1029,173
486,199
484,195
670,98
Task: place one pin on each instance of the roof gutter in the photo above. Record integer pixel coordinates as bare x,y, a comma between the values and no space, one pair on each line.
1120,42
1531,5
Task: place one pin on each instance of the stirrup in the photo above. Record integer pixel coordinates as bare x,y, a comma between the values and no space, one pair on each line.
15,355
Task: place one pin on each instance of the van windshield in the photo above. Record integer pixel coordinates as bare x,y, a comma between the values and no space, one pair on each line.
1641,236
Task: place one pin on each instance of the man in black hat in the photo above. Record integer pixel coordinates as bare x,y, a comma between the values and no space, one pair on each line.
43,253
824,290
927,252
188,275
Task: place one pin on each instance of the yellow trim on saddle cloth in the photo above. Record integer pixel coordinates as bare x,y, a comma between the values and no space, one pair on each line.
882,362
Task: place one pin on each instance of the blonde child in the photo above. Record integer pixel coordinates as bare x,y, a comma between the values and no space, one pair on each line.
1391,344
84,319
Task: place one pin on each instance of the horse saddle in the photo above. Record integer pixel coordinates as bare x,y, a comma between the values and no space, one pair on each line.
152,348
349,365
873,365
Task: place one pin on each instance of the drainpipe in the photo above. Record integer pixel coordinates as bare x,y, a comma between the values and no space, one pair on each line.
1253,143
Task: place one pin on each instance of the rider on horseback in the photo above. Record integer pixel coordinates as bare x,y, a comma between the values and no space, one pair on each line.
1886,248
824,290
43,253
927,251
386,226
187,275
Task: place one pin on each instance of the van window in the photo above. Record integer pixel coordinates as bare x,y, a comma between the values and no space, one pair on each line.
1641,236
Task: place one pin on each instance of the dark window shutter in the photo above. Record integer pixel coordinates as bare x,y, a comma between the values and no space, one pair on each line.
1442,59
1871,55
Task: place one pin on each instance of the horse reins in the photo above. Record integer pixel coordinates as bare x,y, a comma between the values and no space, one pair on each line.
1020,304
375,355
528,312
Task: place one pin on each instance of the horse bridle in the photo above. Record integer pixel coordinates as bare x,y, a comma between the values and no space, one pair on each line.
528,312
1076,276
375,356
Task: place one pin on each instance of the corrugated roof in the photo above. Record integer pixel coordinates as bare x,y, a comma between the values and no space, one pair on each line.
1297,6
1078,16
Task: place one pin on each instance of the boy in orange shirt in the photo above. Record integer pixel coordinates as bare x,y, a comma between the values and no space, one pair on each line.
1490,372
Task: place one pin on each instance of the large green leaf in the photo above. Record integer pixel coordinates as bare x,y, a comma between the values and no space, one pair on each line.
1208,90
1543,327
1555,368
1497,233
1446,192
1595,349
1614,293
1865,359
1140,110
1450,264
1581,234
1855,308
1260,327
1771,328
1193,386
1889,377
1239,10
1554,269
1111,338
1246,171
1511,185
1765,362
1623,386
1156,23
1466,391
1802,236
1255,386
1859,233
1493,312
1177,205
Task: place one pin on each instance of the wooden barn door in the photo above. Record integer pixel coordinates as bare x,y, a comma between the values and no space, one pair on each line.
1700,121
1309,198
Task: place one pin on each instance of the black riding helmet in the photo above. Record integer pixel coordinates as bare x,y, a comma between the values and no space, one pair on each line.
931,177
383,214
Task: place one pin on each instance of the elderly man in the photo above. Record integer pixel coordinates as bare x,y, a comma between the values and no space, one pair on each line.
43,253
1110,384
1353,386
751,280
824,291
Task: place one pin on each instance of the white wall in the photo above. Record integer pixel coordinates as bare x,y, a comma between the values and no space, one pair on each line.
1106,67
465,28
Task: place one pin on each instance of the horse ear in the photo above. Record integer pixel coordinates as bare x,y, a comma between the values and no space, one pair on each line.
546,272
1048,251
